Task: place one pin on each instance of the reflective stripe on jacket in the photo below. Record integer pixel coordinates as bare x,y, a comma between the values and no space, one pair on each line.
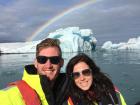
34,82
30,97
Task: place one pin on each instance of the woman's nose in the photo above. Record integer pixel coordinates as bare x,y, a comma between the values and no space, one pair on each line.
81,77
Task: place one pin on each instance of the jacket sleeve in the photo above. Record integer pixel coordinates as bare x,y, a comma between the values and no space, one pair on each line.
120,97
11,96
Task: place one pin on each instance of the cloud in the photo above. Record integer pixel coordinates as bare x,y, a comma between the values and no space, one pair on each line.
116,19
20,18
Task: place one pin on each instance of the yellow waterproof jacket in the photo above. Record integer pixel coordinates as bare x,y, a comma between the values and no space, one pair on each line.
12,96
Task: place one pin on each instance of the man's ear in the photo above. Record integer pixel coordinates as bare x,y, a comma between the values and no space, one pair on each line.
35,63
61,62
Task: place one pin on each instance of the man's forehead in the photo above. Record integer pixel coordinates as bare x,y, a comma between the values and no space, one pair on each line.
49,50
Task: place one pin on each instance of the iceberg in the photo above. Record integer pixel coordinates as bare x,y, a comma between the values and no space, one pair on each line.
72,39
18,47
131,44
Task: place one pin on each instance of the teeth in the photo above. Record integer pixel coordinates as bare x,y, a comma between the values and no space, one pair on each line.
50,70
84,84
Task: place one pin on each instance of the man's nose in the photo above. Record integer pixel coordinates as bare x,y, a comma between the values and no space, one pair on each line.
48,63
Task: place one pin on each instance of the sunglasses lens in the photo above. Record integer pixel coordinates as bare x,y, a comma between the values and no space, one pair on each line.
55,59
42,59
86,72
76,75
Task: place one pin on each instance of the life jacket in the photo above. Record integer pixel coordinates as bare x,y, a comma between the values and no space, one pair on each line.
17,93
29,95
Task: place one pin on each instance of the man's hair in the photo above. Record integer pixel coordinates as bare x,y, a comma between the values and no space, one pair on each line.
49,42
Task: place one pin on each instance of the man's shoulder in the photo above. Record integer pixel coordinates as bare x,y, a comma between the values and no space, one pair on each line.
10,95
9,91
9,88
61,76
60,79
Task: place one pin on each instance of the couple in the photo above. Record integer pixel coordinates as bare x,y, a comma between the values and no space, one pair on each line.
43,84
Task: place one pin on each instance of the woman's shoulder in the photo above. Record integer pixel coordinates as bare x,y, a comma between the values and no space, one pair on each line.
120,96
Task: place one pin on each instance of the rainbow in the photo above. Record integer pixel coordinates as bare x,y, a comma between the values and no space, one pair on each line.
60,15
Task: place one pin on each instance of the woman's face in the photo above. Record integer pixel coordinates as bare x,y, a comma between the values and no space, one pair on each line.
82,75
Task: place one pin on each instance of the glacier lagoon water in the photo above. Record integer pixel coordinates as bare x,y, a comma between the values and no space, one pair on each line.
123,67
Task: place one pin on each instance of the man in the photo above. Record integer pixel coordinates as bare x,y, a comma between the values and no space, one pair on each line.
41,83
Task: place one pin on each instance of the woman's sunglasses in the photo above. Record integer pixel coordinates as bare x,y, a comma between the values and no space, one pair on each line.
44,59
86,72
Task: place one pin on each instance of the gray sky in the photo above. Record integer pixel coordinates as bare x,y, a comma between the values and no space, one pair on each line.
116,20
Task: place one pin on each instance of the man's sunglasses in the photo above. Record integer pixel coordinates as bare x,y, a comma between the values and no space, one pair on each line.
86,72
44,59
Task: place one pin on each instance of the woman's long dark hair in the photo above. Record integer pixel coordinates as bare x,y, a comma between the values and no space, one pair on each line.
101,84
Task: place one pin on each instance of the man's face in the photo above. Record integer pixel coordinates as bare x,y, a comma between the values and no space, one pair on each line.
49,68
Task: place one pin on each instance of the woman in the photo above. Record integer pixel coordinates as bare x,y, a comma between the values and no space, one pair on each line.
89,86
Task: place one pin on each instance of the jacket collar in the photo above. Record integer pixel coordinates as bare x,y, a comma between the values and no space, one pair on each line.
31,77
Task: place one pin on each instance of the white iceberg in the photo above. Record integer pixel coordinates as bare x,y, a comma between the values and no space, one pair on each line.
72,39
132,44
19,47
